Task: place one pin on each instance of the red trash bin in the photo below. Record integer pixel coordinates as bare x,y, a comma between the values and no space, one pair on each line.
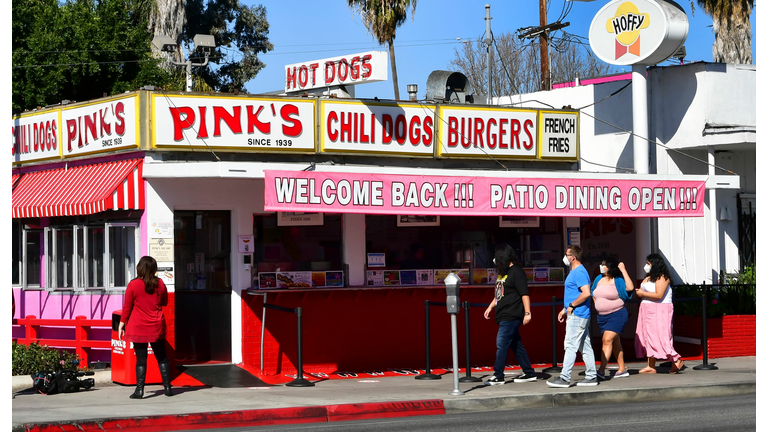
124,359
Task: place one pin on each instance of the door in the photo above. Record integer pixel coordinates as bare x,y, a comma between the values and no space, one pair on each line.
203,286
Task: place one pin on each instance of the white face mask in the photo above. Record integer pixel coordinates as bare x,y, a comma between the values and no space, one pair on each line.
565,260
603,269
647,268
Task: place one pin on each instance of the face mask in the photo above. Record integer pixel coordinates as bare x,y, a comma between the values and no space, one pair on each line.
565,260
647,268
603,269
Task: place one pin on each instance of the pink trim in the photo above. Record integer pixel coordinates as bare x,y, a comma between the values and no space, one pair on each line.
590,81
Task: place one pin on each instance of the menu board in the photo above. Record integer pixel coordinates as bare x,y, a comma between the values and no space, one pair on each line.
299,280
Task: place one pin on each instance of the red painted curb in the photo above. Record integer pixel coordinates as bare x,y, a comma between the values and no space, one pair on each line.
247,418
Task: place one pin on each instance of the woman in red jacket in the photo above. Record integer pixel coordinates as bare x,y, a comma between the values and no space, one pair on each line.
143,312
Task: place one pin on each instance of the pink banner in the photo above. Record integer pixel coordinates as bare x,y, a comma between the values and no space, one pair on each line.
309,191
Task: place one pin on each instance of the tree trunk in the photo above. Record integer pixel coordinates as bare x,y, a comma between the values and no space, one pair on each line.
394,69
167,19
733,36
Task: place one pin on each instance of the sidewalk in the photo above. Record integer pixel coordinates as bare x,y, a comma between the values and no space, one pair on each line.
107,407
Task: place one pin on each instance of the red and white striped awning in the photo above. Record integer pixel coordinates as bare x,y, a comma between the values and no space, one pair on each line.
79,190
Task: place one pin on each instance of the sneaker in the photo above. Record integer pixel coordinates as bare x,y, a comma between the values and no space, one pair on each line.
558,382
621,374
525,378
600,375
494,380
587,382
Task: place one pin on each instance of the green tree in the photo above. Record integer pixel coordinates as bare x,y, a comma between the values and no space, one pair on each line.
382,18
241,34
78,50
733,31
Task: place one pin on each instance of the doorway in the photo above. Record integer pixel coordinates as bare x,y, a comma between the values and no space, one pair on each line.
203,286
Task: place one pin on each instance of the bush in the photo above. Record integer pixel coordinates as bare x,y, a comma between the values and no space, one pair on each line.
737,296
36,358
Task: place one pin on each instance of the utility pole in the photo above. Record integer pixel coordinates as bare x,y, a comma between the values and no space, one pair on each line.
542,31
489,52
544,46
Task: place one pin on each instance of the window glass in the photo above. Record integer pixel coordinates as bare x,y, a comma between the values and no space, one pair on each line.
34,249
122,252
445,246
63,265
95,265
16,253
297,248
202,250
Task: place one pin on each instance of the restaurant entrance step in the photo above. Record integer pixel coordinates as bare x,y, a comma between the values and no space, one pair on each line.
216,375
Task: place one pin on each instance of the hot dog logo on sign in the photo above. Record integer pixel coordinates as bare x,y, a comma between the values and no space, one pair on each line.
642,32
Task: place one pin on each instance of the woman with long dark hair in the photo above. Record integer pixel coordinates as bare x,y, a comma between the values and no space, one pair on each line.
513,309
653,335
610,290
142,322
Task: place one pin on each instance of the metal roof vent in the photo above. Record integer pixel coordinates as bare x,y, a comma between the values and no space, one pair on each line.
454,87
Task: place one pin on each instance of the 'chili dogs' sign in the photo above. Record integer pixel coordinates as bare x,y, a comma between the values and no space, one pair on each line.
357,127
346,70
35,137
276,124
479,196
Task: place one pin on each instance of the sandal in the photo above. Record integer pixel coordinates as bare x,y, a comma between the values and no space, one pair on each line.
647,370
677,366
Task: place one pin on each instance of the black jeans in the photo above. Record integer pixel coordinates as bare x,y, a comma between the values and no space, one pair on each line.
158,347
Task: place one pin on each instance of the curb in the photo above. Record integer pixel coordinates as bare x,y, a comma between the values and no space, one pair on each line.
248,418
552,400
347,412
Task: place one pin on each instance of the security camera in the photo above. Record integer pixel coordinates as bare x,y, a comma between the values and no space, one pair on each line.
164,43
204,43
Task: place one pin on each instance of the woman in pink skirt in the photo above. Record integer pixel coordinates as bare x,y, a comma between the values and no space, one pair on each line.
653,335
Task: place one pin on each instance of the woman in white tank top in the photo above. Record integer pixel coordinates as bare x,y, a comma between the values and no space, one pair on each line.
653,334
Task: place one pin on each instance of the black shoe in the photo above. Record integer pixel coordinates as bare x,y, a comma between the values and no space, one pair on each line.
141,375
494,380
165,374
525,378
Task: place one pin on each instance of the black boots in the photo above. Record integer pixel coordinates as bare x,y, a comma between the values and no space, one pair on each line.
141,375
165,373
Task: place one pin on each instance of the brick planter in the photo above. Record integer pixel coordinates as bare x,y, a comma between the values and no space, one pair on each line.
727,336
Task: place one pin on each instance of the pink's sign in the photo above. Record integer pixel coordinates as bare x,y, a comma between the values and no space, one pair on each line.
310,191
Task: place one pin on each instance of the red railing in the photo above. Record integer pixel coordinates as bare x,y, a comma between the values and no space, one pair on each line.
81,343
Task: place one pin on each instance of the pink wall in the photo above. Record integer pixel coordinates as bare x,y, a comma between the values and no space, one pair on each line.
43,304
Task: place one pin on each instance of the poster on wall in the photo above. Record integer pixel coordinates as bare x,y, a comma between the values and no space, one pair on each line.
165,272
518,221
425,277
161,249
374,277
299,219
417,220
161,229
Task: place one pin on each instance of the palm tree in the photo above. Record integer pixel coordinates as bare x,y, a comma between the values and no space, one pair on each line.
166,18
382,18
733,31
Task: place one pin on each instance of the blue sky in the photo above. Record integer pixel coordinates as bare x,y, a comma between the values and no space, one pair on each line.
303,30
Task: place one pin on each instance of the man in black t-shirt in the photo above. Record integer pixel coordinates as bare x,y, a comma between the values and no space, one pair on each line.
513,307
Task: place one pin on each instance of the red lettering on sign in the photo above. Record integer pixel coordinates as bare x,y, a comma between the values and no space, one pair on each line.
312,69
479,126
515,137
90,126
303,76
104,125
355,68
401,129
290,78
453,134
232,121
428,133
346,126
330,77
415,137
528,125
502,132
386,125
343,62
367,68
253,120
287,113
466,135
332,118
178,124
491,137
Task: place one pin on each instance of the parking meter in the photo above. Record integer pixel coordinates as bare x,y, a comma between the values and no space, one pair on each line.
452,293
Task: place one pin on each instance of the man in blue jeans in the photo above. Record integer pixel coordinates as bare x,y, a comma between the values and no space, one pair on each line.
577,308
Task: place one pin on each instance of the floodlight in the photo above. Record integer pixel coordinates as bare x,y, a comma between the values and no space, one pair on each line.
164,43
204,43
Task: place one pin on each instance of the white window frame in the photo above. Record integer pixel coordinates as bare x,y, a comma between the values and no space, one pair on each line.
80,264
